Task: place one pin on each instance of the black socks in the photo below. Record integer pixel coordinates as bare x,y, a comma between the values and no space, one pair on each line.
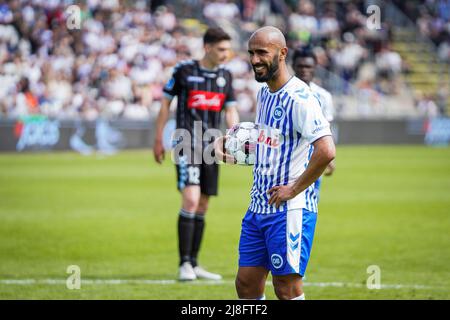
199,223
186,225
190,234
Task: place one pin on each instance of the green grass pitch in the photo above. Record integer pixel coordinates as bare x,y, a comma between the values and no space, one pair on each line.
115,217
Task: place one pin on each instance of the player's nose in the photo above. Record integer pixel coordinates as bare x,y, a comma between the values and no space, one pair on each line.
255,60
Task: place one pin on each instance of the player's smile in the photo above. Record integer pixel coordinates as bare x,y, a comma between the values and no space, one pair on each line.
260,68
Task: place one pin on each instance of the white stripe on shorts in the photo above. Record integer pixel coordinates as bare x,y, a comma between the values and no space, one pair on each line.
294,223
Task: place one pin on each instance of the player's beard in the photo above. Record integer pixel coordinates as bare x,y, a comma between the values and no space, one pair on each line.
271,70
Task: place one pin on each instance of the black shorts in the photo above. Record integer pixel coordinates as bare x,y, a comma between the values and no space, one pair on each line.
204,175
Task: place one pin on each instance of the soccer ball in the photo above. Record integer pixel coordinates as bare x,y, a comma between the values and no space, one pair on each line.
241,142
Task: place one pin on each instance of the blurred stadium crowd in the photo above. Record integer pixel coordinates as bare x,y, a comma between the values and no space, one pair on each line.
117,63
433,20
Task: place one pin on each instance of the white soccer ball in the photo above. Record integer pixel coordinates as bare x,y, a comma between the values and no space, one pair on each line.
241,142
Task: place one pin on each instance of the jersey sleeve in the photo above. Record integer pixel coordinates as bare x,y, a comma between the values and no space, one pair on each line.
309,120
230,99
172,87
328,108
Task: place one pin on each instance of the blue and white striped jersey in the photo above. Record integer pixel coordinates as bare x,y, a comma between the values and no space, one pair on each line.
325,99
289,121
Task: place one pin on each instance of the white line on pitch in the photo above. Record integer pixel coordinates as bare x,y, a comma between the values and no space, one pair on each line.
203,282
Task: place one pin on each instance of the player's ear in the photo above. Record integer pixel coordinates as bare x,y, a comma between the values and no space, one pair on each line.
207,47
283,53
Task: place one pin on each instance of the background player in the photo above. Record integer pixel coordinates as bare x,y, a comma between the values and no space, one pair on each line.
204,90
304,64
278,228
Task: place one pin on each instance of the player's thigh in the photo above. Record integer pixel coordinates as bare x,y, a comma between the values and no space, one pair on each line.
250,282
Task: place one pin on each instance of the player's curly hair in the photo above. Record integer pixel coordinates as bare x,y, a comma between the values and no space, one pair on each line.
304,52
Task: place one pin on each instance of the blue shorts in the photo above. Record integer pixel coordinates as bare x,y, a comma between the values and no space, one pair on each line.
280,242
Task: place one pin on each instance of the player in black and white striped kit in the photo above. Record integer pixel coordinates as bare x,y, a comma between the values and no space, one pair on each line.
204,91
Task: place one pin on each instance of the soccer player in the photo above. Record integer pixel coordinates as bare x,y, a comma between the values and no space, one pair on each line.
304,63
294,148
204,90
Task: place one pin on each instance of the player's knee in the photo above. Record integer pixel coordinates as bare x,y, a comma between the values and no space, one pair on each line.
202,208
244,287
190,204
283,293
239,283
203,204
284,290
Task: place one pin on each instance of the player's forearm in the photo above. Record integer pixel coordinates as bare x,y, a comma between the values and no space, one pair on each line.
231,116
163,116
324,153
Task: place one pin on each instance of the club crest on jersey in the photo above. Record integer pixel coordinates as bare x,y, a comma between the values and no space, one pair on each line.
277,261
221,82
278,113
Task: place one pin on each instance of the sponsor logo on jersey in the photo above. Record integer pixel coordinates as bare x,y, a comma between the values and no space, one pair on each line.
195,79
205,100
209,75
269,136
319,126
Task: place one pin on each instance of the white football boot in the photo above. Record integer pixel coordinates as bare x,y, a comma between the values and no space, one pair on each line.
203,274
186,272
